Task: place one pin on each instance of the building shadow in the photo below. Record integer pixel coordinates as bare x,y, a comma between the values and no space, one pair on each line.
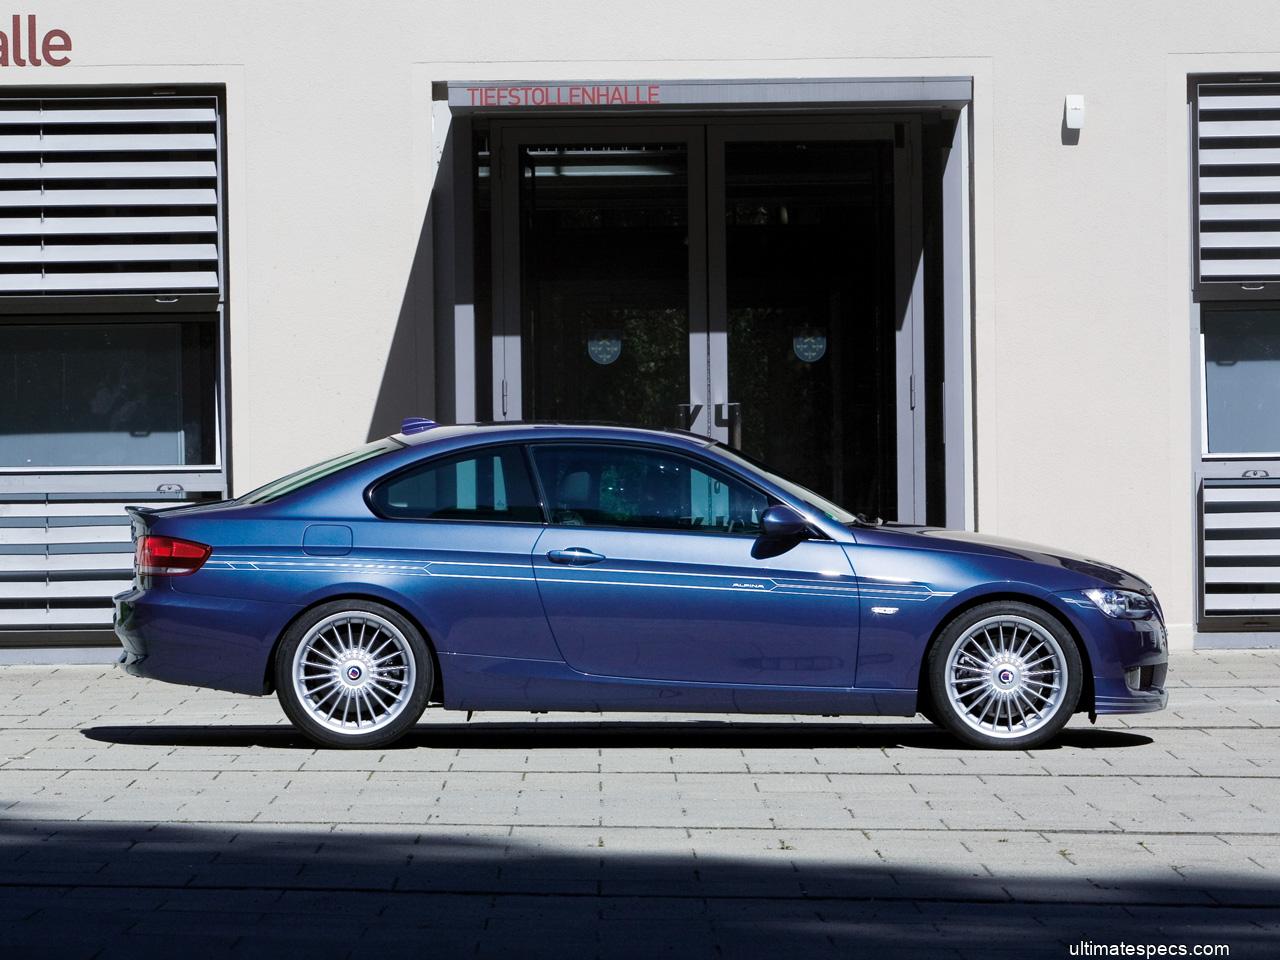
412,384
408,380
600,734
100,889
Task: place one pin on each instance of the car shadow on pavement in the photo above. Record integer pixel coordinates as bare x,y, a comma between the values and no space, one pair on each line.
122,889
615,734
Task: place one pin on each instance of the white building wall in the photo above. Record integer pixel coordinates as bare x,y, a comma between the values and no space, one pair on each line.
1081,269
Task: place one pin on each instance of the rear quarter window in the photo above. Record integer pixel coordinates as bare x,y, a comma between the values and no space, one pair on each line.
491,484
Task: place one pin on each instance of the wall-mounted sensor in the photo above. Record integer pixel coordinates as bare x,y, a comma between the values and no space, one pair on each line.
1075,111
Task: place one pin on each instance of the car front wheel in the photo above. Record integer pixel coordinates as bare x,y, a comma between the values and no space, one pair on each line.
1005,675
350,673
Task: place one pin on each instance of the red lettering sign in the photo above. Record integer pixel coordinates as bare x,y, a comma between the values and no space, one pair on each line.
28,48
566,95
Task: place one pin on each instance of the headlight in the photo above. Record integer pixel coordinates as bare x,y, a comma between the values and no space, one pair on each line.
1122,604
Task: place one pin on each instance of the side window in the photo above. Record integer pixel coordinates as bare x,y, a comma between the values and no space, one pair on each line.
1241,379
491,484
601,485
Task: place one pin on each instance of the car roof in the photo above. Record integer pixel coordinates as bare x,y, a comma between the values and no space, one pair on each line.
551,430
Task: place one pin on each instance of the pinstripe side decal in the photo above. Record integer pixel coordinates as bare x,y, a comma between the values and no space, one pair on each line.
870,590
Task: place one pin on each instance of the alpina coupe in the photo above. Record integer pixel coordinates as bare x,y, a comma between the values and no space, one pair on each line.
596,568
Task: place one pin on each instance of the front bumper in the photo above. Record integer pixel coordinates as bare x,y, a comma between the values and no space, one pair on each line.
1147,702
199,641
1130,659
1141,691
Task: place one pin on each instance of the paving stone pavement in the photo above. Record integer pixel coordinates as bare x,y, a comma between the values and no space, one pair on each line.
141,819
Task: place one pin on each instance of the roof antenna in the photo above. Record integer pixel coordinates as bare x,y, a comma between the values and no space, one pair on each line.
416,424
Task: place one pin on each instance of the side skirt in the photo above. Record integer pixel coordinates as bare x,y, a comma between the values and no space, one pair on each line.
499,683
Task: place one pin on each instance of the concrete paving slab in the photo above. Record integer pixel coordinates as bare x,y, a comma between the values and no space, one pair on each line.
138,819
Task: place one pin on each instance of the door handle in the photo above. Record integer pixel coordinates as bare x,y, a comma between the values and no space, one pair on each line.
574,556
730,415
687,415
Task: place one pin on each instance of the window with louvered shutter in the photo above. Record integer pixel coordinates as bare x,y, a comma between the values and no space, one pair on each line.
1240,548
1236,153
109,195
1236,226
112,319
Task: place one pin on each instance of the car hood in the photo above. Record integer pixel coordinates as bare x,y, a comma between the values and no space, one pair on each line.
965,541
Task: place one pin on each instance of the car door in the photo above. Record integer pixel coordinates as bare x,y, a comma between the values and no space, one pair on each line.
653,567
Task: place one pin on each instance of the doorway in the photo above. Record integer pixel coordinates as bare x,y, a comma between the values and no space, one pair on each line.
756,282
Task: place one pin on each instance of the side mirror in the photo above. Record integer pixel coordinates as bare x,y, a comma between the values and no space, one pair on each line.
780,522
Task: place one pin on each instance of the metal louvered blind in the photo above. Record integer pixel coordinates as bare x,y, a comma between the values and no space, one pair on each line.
1237,156
109,196
1240,544
62,558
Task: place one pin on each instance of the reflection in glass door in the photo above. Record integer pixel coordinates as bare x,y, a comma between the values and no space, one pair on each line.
607,303
808,347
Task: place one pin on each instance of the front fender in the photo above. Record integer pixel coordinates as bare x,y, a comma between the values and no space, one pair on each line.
899,623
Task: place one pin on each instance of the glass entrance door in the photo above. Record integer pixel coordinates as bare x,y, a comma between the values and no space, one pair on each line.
605,316
812,339
755,283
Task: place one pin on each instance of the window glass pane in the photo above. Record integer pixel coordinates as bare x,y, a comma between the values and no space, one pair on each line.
613,486
492,485
809,269
605,281
309,475
107,394
1242,380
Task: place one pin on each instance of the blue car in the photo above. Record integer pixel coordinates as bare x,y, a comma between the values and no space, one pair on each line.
601,568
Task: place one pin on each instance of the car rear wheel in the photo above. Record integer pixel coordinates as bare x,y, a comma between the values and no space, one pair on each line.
1005,675
351,673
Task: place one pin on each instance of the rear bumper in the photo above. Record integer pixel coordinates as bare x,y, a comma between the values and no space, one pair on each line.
199,641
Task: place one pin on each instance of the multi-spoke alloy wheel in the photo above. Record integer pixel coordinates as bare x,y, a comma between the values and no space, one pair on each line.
1005,674
354,671
353,674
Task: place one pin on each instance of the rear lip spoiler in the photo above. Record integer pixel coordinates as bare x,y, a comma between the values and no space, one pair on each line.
144,513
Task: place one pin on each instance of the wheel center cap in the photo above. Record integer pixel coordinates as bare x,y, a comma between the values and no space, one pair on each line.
1006,677
353,673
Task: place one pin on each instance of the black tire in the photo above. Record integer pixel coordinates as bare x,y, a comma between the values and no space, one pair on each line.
1069,673
405,710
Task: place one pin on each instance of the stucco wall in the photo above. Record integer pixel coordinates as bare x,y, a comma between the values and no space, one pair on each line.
1081,275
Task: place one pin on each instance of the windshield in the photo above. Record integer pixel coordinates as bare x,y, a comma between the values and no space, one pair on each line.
300,478
832,511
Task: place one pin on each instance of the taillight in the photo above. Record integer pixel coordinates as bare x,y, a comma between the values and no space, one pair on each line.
169,556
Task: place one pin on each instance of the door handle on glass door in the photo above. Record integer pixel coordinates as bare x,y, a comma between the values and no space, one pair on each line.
687,415
730,415
574,556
